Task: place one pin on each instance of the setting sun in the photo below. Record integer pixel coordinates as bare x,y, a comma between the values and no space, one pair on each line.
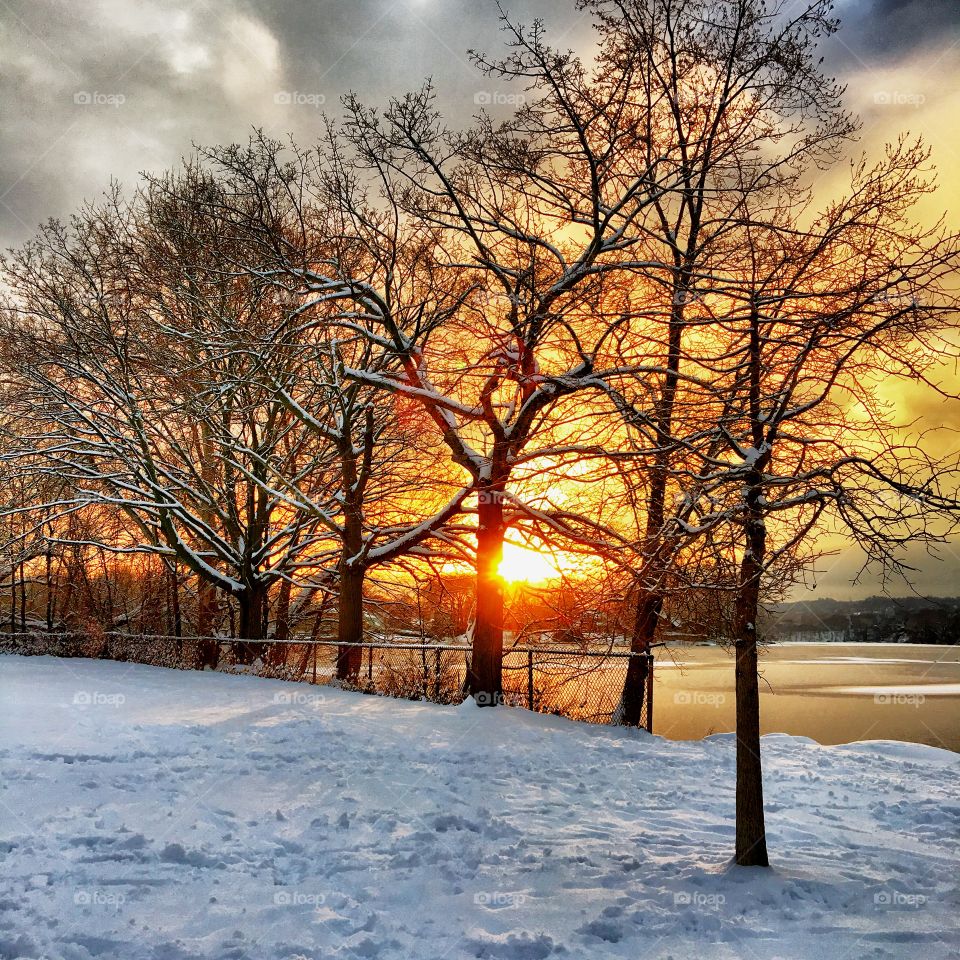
520,565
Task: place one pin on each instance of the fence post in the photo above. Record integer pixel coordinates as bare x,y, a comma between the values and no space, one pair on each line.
370,664
530,680
437,669
649,693
314,663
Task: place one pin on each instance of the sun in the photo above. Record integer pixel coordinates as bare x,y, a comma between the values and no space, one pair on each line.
520,565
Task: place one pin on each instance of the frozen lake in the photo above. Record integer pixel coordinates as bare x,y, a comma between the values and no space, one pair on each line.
832,692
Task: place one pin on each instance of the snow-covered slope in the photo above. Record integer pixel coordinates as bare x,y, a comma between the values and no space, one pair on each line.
160,815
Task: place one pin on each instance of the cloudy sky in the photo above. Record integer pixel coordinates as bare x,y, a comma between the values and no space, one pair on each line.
97,89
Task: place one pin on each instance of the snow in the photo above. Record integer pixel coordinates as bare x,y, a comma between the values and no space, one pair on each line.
150,814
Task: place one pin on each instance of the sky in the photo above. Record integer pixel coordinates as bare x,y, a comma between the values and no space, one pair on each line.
97,89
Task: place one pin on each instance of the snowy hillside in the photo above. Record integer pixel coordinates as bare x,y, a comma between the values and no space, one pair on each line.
149,814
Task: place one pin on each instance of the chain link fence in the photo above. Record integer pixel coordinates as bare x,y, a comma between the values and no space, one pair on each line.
573,682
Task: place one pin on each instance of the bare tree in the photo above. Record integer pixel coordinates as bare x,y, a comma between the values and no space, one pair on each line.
367,480
733,103
392,501
138,413
808,322
478,265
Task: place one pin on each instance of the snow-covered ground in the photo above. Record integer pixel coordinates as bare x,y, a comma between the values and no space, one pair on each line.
154,815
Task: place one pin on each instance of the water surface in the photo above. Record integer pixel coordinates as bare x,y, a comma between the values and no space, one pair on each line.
832,692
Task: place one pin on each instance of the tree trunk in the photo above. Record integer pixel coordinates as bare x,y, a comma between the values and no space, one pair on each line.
206,608
70,569
350,624
650,598
13,598
751,840
48,577
485,676
175,601
281,631
208,650
109,581
251,603
208,600
23,598
751,844
649,604
174,624
279,651
354,475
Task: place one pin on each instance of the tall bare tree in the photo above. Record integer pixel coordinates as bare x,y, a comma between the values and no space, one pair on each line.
732,101
122,399
477,261
809,320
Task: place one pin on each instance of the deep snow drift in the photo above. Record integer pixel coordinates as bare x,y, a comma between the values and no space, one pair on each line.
153,814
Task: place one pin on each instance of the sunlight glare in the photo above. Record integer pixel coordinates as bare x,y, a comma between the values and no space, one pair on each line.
520,565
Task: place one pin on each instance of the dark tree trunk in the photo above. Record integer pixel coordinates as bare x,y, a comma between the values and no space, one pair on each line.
67,606
281,632
645,621
109,581
13,598
174,627
650,598
279,651
23,598
208,650
751,846
175,601
265,616
751,843
485,677
751,840
51,598
350,624
251,603
208,653
354,477
208,600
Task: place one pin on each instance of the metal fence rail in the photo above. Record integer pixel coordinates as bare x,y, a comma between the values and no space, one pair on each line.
569,681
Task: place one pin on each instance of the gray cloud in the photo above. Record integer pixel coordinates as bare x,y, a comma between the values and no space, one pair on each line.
875,33
162,73
108,88
934,573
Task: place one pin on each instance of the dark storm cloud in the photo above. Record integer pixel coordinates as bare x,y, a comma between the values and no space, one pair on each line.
95,90
105,89
162,73
876,33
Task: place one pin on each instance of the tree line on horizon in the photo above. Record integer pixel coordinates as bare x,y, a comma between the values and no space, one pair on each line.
627,324
920,620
